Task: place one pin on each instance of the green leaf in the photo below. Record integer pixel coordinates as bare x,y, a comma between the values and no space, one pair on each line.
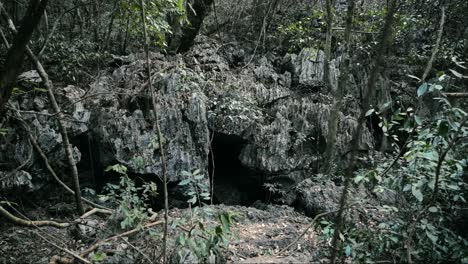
192,200
181,240
433,209
407,187
417,193
98,257
370,112
457,74
199,177
432,237
184,182
422,89
348,250
418,120
186,174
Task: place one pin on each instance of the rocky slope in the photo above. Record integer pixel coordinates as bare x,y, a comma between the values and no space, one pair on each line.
271,113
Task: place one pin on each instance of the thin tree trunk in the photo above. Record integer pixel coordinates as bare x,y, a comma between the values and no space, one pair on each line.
328,42
338,93
111,24
60,117
384,42
158,129
15,55
97,22
436,47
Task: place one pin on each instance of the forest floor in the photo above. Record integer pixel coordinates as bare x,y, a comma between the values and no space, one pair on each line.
258,236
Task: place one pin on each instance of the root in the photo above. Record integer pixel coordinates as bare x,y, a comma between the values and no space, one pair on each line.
60,260
20,221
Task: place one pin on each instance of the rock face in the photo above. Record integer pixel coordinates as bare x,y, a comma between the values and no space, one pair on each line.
279,111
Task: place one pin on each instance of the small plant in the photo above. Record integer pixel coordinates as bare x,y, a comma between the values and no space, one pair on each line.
198,190
273,190
206,242
131,200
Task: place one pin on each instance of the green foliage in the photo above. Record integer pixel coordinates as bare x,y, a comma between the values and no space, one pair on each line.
304,32
157,13
418,221
131,200
197,188
206,241
98,257
72,60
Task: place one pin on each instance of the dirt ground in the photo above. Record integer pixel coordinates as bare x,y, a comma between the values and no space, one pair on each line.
258,237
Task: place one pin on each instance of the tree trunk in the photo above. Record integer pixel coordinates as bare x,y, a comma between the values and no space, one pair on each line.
60,117
184,39
338,93
158,130
15,55
326,62
378,61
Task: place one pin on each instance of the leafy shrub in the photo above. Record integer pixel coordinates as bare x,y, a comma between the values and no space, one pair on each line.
131,200
197,189
428,190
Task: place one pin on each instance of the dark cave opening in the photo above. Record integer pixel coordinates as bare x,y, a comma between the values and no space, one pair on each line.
234,184
87,167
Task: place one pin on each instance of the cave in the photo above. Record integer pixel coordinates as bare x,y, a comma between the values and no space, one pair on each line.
234,183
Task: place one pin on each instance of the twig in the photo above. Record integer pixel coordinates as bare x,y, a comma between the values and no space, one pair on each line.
137,250
47,163
97,244
309,227
63,249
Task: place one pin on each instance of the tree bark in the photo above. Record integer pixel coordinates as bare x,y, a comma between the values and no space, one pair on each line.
378,61
436,47
15,55
328,40
338,93
60,117
158,130
184,37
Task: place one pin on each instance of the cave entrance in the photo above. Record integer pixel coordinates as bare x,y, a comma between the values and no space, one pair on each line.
234,184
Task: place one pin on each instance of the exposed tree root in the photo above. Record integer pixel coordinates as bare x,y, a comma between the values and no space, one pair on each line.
95,211
60,260
23,222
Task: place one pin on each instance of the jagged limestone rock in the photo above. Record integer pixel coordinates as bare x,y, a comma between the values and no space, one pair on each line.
15,181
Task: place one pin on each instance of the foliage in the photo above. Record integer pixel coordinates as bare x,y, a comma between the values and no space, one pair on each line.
427,203
197,189
274,190
303,33
202,240
206,241
72,61
157,13
131,200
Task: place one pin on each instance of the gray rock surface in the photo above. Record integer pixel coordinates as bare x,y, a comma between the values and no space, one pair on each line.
281,116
